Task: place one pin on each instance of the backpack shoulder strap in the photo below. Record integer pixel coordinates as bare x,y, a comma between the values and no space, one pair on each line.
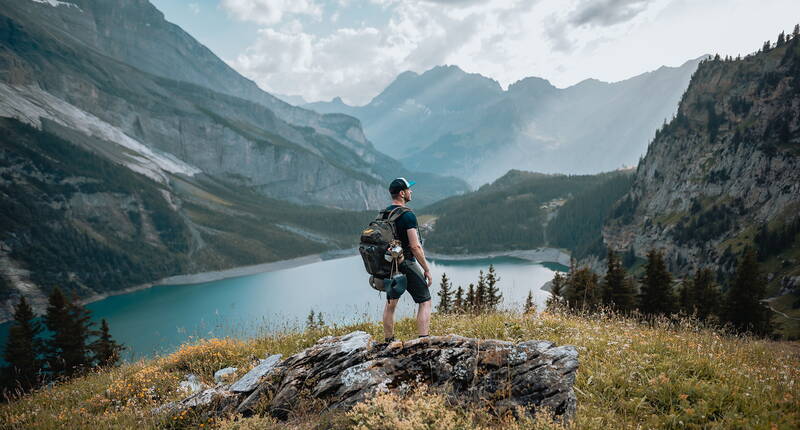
397,213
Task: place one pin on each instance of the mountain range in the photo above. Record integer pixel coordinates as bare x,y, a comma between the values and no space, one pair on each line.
447,121
146,156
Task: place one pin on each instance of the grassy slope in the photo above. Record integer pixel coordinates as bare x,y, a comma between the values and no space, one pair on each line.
632,375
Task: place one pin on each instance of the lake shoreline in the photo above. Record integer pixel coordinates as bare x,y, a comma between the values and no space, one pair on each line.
218,275
539,255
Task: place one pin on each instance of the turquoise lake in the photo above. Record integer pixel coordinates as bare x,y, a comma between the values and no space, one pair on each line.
159,319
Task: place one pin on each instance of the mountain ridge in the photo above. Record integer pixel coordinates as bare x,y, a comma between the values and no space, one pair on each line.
532,125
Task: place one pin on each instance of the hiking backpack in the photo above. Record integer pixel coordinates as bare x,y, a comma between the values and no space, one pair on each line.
376,240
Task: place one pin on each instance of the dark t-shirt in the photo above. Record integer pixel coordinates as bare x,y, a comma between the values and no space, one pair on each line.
406,221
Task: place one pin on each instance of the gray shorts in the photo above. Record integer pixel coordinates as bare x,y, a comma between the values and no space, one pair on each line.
415,282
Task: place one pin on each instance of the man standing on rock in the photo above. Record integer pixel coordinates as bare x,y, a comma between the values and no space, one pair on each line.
418,278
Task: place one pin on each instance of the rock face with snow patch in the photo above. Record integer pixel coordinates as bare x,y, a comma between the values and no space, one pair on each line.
342,371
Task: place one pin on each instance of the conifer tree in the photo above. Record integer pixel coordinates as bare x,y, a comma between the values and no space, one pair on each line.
310,322
469,302
22,350
67,351
445,304
583,290
530,307
57,320
107,351
493,295
743,308
686,297
656,296
458,301
706,294
480,293
616,289
796,31
781,40
555,291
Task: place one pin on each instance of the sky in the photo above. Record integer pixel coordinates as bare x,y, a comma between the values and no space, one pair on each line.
321,49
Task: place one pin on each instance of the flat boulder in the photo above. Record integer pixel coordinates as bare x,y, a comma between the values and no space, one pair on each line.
503,375
341,371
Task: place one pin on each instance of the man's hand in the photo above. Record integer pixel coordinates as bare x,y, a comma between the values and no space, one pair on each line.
428,277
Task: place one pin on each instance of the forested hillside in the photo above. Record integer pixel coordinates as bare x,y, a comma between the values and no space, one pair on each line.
73,219
524,210
579,222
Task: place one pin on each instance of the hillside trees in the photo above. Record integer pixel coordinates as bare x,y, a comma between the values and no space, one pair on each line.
617,291
656,296
485,296
579,222
67,351
106,350
445,291
23,350
582,290
743,308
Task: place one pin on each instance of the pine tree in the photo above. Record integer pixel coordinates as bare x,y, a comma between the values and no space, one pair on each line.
458,301
656,296
493,295
67,351
686,297
469,302
743,308
78,357
781,40
57,320
23,350
707,295
555,291
310,322
445,290
616,290
583,291
796,31
530,307
480,294
107,350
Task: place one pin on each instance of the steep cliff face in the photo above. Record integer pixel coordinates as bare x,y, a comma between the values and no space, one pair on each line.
728,163
134,32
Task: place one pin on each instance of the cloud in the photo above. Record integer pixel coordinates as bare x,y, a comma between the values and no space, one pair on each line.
194,8
607,12
357,63
269,12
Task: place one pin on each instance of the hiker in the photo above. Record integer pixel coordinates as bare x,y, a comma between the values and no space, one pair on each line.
414,265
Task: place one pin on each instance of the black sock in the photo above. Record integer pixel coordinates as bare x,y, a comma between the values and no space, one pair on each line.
388,339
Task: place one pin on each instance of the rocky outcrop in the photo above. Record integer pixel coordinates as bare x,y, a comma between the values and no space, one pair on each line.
342,371
724,166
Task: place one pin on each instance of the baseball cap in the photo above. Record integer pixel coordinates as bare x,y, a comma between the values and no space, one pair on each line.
400,184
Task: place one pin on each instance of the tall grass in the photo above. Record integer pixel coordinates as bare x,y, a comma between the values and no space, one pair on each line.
656,374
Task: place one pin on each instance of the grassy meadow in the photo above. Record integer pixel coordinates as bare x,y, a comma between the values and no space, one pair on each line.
632,375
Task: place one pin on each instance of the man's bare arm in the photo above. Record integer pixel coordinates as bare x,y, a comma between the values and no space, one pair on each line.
419,254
